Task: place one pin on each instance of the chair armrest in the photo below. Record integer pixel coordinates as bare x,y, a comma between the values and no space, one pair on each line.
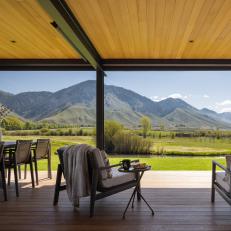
227,171
215,163
115,165
135,161
108,167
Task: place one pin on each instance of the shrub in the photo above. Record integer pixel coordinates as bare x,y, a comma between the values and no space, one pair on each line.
117,140
44,130
12,123
160,135
85,133
146,125
172,135
66,133
80,133
160,150
111,127
70,132
127,143
52,133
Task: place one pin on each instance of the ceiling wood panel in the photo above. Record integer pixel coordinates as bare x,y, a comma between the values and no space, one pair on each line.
157,28
25,32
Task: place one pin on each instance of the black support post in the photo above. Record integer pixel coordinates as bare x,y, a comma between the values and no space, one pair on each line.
100,109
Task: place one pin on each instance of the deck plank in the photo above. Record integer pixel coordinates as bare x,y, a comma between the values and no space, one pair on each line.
181,201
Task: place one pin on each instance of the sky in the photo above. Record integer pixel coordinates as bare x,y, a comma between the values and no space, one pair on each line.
210,89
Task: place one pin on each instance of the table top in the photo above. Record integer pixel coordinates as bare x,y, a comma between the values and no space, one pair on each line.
131,169
12,144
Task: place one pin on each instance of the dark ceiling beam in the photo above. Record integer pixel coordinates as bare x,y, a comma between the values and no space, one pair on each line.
166,64
44,65
67,25
117,64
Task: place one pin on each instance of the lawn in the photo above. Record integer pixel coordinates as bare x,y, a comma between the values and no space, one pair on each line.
192,146
175,163
157,162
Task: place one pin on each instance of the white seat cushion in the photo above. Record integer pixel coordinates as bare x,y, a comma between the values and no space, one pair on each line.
220,179
118,178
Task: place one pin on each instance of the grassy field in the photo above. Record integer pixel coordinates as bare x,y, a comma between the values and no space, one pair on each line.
192,146
203,146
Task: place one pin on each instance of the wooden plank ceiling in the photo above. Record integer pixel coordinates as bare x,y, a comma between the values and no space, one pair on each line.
157,28
121,29
25,32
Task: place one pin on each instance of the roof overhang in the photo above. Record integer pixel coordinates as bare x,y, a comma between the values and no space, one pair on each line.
115,35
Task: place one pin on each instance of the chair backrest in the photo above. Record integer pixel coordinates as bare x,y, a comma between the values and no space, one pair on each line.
42,148
97,161
1,150
92,164
23,151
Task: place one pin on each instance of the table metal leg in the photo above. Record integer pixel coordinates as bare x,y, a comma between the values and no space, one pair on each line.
147,203
133,194
132,198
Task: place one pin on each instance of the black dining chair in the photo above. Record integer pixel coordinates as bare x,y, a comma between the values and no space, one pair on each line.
42,151
2,170
20,156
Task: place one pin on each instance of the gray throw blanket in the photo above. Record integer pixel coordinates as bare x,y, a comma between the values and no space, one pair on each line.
76,172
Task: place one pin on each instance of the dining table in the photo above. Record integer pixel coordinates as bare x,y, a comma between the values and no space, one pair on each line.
12,145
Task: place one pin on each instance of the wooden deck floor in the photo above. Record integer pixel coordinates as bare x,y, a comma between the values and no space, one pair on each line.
181,201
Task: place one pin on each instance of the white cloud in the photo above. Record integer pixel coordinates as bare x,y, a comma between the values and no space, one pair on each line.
178,96
157,98
226,109
206,96
224,103
154,98
224,106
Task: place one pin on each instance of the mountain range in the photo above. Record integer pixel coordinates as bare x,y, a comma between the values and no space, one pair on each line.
76,105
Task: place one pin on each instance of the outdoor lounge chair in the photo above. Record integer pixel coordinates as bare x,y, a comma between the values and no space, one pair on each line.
99,188
221,182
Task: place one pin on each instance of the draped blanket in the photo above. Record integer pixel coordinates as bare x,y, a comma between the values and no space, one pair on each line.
76,172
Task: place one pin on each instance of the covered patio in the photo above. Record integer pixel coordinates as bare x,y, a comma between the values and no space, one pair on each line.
117,35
